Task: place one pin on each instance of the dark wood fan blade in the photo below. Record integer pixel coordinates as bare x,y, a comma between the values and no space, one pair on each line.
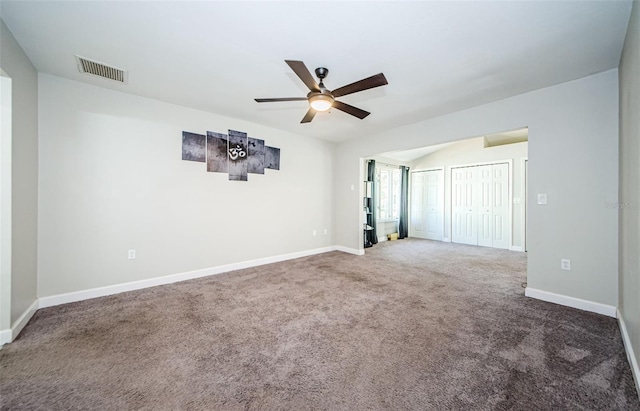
309,116
302,71
354,111
271,100
364,84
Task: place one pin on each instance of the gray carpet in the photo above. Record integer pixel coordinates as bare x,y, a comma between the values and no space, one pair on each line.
414,324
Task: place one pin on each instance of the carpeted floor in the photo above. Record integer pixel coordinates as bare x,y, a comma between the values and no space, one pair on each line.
414,324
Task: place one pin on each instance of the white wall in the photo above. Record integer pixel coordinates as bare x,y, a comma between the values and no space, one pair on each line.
386,227
573,157
629,202
24,173
112,179
472,151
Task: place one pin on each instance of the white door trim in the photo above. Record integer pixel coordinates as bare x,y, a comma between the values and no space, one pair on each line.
6,141
524,194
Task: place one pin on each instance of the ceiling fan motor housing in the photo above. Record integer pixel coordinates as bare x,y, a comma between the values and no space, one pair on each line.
322,72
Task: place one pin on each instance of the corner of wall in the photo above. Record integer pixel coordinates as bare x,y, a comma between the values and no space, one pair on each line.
631,356
24,176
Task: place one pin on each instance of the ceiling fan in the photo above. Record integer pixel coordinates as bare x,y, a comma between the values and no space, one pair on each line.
322,99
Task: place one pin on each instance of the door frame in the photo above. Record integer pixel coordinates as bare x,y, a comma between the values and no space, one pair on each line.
525,194
6,138
509,194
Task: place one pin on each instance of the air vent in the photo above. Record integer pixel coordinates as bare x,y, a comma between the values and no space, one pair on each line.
101,70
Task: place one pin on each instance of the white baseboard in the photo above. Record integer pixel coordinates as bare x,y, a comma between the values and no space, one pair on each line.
631,356
446,240
348,250
7,336
19,324
71,297
516,248
573,302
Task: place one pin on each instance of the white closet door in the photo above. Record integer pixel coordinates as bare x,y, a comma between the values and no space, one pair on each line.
434,204
464,206
427,204
457,204
485,208
500,206
417,222
480,205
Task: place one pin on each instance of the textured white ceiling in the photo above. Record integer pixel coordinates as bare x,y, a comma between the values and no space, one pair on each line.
439,57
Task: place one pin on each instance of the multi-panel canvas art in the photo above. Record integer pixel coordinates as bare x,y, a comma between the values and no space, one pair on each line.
235,153
238,165
217,159
272,158
255,156
193,147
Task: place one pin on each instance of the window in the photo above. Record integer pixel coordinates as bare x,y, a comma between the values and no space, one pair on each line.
388,184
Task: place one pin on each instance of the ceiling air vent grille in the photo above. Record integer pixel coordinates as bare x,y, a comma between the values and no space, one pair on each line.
101,70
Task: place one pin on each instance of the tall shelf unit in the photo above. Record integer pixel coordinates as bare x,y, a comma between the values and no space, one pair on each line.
367,204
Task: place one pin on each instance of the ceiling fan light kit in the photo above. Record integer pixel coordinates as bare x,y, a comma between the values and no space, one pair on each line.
322,99
321,102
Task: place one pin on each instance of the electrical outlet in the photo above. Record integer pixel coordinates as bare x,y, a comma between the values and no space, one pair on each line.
542,198
325,231
565,264
315,233
132,254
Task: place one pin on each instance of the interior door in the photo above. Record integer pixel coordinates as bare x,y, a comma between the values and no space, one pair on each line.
464,201
485,205
434,204
417,222
500,206
480,205
457,204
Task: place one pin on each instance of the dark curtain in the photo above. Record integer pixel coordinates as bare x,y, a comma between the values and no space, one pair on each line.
372,235
403,224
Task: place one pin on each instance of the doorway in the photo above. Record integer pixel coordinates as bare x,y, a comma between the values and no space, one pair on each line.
494,188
